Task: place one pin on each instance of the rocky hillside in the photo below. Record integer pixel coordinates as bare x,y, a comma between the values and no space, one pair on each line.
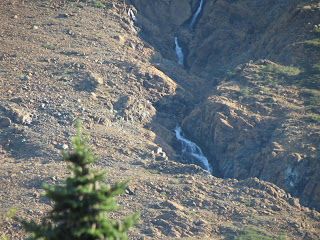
89,60
262,119
229,33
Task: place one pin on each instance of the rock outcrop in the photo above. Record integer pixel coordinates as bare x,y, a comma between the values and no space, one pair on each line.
250,127
244,137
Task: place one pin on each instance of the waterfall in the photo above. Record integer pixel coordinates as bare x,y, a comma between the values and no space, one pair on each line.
190,149
196,15
178,51
131,15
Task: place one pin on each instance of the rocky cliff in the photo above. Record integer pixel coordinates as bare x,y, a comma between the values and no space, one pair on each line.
258,121
229,33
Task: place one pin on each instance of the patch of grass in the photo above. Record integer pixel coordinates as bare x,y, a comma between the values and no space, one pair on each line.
230,74
313,43
174,181
21,76
49,46
190,213
5,218
255,233
64,73
72,3
256,76
214,217
310,78
262,88
312,118
152,171
98,4
100,35
244,92
276,70
316,68
270,74
312,101
17,54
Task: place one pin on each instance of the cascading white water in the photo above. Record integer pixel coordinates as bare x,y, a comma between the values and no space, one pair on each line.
191,149
131,15
196,15
178,51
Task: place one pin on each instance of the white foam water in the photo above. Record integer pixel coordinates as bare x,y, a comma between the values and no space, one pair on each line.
131,15
192,149
179,52
196,15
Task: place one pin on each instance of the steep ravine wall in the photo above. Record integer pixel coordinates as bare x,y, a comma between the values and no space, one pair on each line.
227,33
240,142
245,144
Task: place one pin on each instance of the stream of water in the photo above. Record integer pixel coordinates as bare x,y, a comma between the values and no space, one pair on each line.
131,15
191,150
178,51
196,15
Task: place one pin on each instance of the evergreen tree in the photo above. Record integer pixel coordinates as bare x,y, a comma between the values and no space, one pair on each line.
81,205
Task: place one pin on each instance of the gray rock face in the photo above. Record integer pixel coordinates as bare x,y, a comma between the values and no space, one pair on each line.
228,32
232,137
243,144
4,122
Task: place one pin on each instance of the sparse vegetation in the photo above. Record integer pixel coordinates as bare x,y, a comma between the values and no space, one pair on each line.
177,201
316,68
4,218
72,3
80,207
49,46
98,4
255,233
230,74
312,101
21,76
244,92
17,54
312,118
64,73
276,70
152,171
190,213
316,29
313,43
174,181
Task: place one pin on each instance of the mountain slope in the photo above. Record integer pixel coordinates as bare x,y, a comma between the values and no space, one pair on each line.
65,60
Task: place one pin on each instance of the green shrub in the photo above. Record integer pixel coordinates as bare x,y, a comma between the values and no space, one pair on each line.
5,218
312,118
313,43
312,99
316,68
16,55
81,205
255,233
49,46
98,4
244,92
316,29
230,74
279,70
